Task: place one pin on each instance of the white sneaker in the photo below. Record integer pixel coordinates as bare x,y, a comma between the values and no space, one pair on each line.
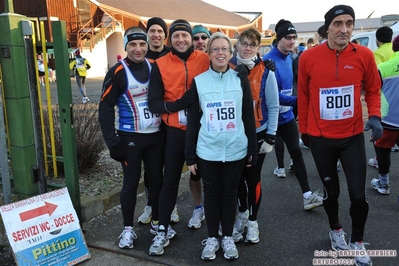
239,226
279,172
338,241
313,201
211,246
197,218
252,232
145,218
126,237
373,162
363,259
159,242
154,230
174,217
395,148
229,248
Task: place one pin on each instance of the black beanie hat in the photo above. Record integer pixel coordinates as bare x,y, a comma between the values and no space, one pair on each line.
283,28
384,34
157,21
336,11
180,24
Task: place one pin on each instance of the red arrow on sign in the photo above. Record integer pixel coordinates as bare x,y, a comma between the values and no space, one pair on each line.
47,208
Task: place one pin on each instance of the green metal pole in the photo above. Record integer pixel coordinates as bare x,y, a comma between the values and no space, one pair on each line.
68,132
18,104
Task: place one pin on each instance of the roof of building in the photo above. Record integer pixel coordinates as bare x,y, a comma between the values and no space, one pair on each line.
195,11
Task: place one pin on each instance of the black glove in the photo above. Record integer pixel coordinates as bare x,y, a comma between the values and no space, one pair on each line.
269,64
374,124
252,160
116,153
305,140
243,71
270,139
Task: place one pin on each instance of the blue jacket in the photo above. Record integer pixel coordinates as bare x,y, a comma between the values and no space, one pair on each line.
284,76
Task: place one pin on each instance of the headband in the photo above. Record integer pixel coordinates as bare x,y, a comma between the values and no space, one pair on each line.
134,36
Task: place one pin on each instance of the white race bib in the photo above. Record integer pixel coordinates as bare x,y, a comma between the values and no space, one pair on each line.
147,119
336,103
182,117
284,108
220,116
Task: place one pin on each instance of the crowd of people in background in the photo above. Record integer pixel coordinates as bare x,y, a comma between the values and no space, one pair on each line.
220,113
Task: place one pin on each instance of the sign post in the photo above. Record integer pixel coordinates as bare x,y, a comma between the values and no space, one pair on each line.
45,230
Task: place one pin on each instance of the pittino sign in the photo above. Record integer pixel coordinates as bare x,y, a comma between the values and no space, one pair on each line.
45,230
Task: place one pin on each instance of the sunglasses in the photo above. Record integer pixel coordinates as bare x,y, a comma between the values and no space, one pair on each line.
203,37
289,38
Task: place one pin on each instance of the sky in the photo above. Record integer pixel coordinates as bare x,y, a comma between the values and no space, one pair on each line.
306,10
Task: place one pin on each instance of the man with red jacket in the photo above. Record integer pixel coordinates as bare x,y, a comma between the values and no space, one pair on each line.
331,78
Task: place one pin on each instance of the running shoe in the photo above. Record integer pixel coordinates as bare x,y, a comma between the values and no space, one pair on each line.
291,168
313,201
373,162
338,241
279,172
211,246
252,232
154,230
229,248
383,189
174,217
395,148
126,237
363,259
145,218
197,218
302,144
239,226
159,242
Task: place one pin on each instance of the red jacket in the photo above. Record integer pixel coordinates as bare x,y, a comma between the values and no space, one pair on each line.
326,74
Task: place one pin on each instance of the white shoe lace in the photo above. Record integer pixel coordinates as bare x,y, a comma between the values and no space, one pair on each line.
240,223
128,234
147,210
197,214
210,243
251,230
340,238
228,243
159,239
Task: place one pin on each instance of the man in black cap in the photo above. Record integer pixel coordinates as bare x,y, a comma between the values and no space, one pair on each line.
384,51
287,130
331,81
157,33
171,76
131,132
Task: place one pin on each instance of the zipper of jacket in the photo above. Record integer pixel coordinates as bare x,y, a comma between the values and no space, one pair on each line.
336,64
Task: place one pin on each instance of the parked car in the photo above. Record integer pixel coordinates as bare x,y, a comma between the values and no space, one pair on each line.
368,39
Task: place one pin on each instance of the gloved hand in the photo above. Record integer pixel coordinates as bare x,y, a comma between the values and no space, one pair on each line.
265,147
116,153
269,64
252,160
270,139
243,71
305,140
374,124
